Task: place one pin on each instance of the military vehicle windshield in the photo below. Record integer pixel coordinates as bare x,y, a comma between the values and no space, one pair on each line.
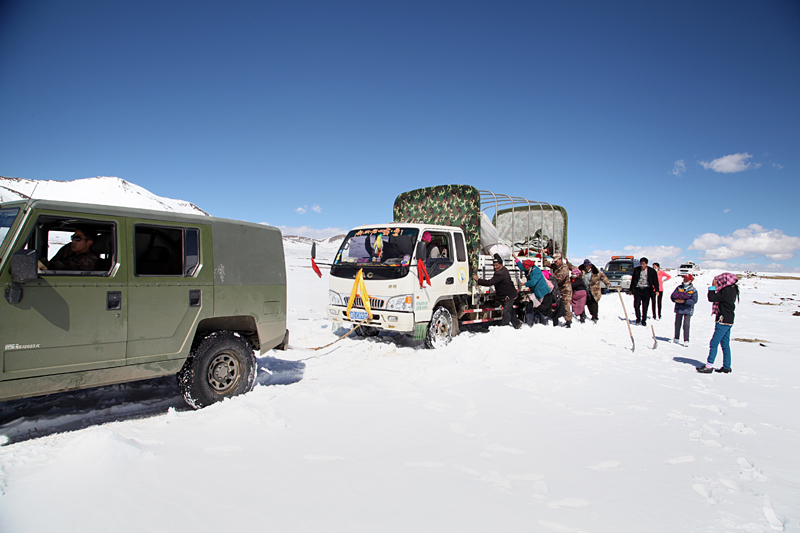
7,217
378,247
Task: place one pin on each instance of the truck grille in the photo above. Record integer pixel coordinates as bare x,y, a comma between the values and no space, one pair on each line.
374,303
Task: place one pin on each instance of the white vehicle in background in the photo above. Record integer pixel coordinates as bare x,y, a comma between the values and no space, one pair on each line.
688,268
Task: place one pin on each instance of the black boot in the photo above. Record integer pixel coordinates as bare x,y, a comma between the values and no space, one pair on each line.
568,324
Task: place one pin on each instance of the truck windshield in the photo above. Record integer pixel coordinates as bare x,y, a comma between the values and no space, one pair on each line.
7,217
390,247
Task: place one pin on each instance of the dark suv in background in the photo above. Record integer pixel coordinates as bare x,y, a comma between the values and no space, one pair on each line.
619,271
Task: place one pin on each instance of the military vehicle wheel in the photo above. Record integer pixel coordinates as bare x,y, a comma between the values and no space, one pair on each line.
440,329
367,331
223,365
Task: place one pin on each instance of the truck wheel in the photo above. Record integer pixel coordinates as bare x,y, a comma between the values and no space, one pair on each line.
440,329
223,365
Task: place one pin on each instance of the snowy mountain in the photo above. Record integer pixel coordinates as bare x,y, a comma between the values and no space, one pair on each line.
99,190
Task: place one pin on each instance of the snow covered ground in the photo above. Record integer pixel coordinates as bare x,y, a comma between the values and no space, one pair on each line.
538,429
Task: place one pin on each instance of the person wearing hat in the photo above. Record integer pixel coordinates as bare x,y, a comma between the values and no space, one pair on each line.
504,289
561,272
684,296
593,277
433,250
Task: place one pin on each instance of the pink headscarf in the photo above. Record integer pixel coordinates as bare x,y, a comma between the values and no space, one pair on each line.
726,279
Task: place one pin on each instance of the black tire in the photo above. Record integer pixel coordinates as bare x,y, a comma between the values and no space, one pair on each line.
440,329
367,331
221,366
283,346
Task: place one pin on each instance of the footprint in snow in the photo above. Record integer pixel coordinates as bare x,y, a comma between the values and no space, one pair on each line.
682,459
570,503
606,465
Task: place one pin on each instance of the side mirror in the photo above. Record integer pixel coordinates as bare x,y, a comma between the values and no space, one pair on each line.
313,250
422,251
24,266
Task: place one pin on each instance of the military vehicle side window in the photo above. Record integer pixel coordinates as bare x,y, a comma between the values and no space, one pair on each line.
72,246
192,250
166,251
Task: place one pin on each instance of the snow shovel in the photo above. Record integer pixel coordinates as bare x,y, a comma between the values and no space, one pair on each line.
655,341
626,320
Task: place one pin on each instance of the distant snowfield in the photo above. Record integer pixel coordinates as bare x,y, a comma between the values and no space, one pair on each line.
539,429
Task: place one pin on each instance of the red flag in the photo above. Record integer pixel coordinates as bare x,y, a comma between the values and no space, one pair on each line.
423,273
315,267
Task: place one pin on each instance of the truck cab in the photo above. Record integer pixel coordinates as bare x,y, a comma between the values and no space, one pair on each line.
405,279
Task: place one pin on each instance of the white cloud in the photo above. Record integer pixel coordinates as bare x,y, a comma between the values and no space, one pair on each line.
665,255
302,210
730,163
751,267
777,166
307,231
726,210
679,167
752,240
316,209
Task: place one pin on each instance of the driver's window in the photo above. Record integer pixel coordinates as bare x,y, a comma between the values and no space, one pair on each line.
439,253
70,247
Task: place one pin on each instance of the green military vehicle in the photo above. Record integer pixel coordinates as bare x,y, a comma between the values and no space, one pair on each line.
161,293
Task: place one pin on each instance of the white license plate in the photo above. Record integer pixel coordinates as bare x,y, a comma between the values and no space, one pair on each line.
614,283
358,315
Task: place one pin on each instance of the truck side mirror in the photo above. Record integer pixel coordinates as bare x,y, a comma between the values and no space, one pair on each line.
422,251
24,266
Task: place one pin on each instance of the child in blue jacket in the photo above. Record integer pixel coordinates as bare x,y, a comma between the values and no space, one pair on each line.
684,296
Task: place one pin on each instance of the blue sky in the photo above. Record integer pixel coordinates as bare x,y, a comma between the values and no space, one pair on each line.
670,129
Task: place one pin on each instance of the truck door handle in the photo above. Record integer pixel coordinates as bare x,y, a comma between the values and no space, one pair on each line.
195,298
449,281
113,300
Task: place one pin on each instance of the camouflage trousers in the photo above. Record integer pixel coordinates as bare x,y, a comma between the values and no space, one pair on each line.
566,295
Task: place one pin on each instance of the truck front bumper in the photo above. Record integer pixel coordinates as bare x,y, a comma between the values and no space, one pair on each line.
381,319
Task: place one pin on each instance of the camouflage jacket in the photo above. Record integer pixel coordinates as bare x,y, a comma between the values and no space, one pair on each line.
594,284
561,274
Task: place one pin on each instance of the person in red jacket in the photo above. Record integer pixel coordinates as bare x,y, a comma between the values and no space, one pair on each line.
662,277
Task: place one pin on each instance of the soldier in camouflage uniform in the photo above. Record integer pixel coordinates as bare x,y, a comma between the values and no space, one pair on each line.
560,269
77,255
595,291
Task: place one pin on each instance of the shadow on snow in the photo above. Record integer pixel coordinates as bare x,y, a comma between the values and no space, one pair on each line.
30,418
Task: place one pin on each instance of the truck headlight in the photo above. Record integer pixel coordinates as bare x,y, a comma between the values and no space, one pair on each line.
626,277
400,303
334,298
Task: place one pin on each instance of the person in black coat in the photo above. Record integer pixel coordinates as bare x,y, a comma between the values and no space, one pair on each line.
504,289
644,284
723,294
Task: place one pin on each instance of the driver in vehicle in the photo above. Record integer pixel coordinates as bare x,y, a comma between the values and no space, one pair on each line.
77,255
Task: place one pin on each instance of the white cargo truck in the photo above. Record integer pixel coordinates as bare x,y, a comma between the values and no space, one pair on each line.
385,277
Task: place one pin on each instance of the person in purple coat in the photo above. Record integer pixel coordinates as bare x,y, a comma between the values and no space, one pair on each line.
684,296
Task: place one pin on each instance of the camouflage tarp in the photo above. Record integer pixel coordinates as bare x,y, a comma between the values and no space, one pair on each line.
447,205
533,226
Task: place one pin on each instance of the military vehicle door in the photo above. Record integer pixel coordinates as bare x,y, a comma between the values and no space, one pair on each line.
169,290
73,316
